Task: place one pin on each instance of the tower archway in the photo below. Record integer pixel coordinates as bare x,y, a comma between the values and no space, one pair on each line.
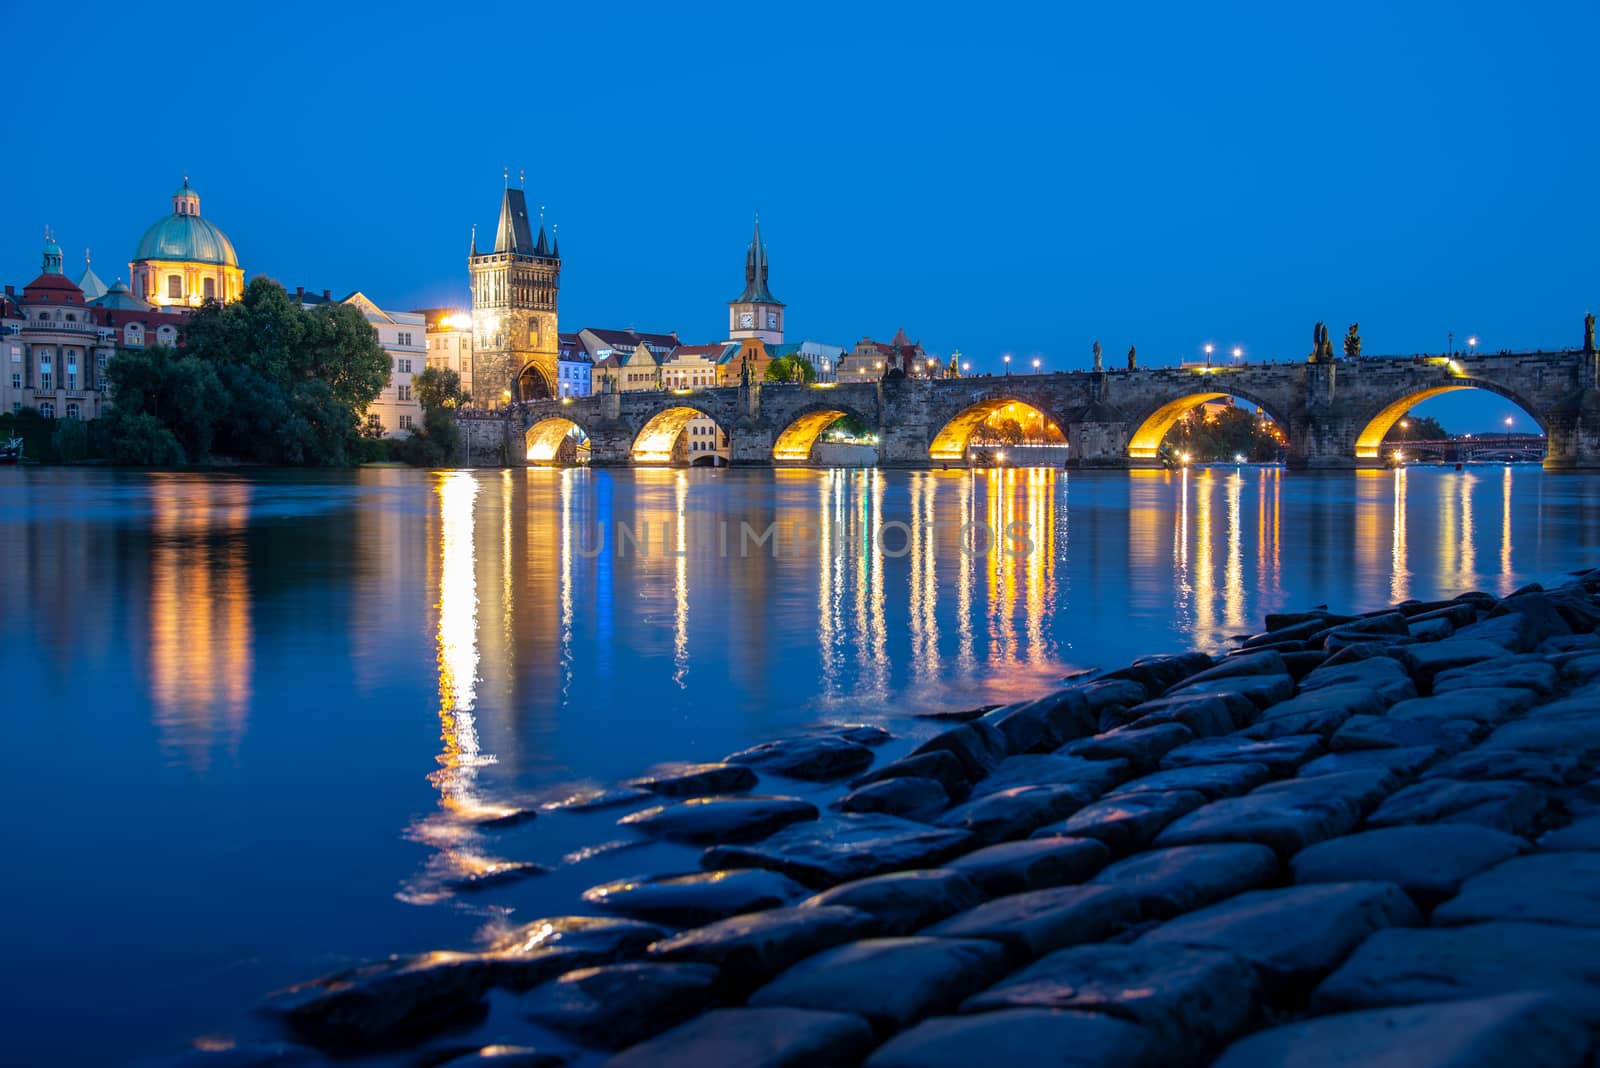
534,383
679,435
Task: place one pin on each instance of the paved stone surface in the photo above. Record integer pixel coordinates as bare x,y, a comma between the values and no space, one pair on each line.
914,799
1042,921
757,945
1141,747
754,1038
1403,763
1383,732
1037,864
1169,882
819,759
1280,756
1553,768
1560,888
845,847
1580,834
1127,822
893,982
904,901
619,1004
942,767
1406,966
1189,997
1513,807
1015,812
378,1003
1091,777
708,820
699,898
531,953
1038,1038
1293,936
1211,780
1285,816
696,780
1205,715
979,746
1533,673
1530,1030
1428,862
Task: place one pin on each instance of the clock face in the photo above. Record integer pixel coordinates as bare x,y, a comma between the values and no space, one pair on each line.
747,319
772,320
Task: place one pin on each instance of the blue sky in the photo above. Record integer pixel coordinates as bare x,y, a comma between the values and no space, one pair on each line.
1022,178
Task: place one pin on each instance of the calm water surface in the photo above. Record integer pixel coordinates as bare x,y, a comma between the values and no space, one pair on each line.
253,716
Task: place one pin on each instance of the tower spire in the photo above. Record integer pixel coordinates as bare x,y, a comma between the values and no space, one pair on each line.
473,251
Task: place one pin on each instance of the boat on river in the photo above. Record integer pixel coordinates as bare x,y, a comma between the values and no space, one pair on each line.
11,451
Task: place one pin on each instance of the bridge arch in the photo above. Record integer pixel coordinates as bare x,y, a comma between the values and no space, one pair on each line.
547,441
796,440
658,438
955,431
1150,428
1375,425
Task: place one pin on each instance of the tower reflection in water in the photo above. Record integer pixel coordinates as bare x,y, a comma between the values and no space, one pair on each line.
456,829
200,632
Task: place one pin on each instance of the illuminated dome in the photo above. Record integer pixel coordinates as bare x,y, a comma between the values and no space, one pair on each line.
184,236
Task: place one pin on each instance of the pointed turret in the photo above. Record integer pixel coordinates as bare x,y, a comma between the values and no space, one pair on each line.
472,250
755,273
93,288
514,234
52,254
555,245
543,246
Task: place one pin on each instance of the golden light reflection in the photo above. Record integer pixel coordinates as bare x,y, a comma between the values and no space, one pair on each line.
1508,579
1399,573
680,581
1233,569
1205,619
200,631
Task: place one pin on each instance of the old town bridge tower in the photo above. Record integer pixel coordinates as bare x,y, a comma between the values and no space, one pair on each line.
514,297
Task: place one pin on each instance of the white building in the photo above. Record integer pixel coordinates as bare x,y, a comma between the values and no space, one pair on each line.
403,336
574,368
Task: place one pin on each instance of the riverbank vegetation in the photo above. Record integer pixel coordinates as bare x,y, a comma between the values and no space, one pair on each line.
1224,433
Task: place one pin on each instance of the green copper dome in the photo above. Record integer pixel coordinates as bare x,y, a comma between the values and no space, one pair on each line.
185,235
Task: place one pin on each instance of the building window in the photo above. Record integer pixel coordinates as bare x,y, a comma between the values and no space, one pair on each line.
47,410
210,289
405,422
405,392
71,318
403,366
16,353
174,287
16,380
373,422
405,338
44,379
72,381
72,411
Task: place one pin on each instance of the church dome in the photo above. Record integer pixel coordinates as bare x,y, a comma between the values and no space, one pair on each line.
184,236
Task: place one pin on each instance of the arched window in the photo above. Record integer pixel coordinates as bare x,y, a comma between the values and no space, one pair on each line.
210,289
174,287
48,410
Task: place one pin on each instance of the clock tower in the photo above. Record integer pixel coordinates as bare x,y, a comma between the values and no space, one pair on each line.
756,313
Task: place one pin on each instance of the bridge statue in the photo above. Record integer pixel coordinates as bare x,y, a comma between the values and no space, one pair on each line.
1588,333
1133,358
1321,347
1098,366
1352,342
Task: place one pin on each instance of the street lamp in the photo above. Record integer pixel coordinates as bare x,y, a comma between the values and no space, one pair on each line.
1208,354
1036,365
1508,436
966,365
1472,345
1237,352
1007,359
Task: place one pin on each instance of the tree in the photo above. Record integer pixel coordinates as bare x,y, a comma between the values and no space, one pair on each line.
795,368
181,392
1417,428
438,442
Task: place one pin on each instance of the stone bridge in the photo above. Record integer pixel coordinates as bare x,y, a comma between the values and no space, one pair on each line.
1335,414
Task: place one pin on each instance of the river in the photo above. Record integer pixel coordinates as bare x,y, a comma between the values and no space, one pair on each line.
253,715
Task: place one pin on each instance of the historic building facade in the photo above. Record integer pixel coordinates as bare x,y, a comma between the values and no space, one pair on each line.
184,260
449,343
396,411
515,290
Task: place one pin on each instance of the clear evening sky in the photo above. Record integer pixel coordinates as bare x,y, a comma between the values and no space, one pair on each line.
994,178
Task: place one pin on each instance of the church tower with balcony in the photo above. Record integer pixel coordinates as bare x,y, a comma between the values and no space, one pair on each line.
514,300
756,313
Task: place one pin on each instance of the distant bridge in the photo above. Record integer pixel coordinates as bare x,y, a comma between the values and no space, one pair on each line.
1469,447
1335,414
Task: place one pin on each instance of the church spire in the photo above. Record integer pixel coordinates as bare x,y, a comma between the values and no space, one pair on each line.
755,272
473,249
514,235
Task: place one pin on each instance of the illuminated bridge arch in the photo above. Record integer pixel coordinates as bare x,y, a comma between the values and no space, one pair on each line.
950,442
796,440
1149,431
1376,426
555,440
658,439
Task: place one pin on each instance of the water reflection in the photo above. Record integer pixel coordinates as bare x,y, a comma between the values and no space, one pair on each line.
200,635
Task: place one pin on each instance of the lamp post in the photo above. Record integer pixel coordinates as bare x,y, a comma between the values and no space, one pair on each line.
1036,365
1508,437
1472,345
1450,342
1237,352
1007,359
1208,354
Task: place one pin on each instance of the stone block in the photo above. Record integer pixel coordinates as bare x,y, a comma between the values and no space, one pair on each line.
1041,921
1039,1038
1428,862
850,846
904,901
1128,822
754,1038
1169,882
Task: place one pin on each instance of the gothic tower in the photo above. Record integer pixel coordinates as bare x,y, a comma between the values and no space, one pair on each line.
514,297
756,312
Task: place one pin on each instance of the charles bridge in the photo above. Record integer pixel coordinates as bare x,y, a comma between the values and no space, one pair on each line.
1334,413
